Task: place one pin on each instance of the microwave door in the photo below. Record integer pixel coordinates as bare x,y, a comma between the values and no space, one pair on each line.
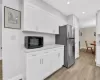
32,42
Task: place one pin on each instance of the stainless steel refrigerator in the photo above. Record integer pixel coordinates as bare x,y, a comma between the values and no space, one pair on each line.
66,37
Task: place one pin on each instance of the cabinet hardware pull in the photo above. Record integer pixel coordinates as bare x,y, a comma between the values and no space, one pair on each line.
40,61
59,55
33,55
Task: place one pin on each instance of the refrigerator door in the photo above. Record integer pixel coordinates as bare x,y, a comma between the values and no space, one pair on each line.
69,53
73,32
70,31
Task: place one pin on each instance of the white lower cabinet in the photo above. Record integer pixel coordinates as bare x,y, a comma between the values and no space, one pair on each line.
41,64
47,64
35,68
56,59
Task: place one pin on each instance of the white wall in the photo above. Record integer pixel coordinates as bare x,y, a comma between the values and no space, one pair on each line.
91,22
0,31
87,35
98,50
13,44
76,25
98,38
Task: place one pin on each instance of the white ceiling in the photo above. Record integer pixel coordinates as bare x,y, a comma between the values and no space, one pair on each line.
77,7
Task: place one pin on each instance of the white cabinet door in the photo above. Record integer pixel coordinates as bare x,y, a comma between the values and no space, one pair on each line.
56,26
45,23
98,22
76,25
30,18
47,64
55,61
61,51
36,19
34,68
48,23
98,54
76,42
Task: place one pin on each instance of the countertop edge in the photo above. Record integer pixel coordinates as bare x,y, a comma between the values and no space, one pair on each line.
42,48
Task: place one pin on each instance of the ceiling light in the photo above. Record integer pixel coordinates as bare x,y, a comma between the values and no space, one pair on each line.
68,2
83,12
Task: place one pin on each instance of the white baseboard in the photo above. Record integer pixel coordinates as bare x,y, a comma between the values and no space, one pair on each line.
77,56
83,48
98,65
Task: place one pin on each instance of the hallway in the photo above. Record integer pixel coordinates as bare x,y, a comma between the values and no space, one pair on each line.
84,69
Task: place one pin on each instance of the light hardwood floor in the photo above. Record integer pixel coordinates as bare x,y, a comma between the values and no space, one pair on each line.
0,70
84,69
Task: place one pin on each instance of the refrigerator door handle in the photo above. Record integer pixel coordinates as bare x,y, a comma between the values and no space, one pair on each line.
68,34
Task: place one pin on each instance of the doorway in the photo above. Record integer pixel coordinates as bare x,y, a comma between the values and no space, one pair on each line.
88,43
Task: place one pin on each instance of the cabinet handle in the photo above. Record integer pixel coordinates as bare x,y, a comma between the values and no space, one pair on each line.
59,55
33,55
40,61
45,53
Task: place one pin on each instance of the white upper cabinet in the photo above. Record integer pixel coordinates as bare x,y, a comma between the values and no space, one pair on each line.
36,19
98,22
30,20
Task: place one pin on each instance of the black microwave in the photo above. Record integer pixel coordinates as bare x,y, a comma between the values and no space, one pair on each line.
32,42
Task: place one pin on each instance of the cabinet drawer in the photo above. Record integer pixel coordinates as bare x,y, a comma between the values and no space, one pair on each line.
58,49
35,53
44,52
